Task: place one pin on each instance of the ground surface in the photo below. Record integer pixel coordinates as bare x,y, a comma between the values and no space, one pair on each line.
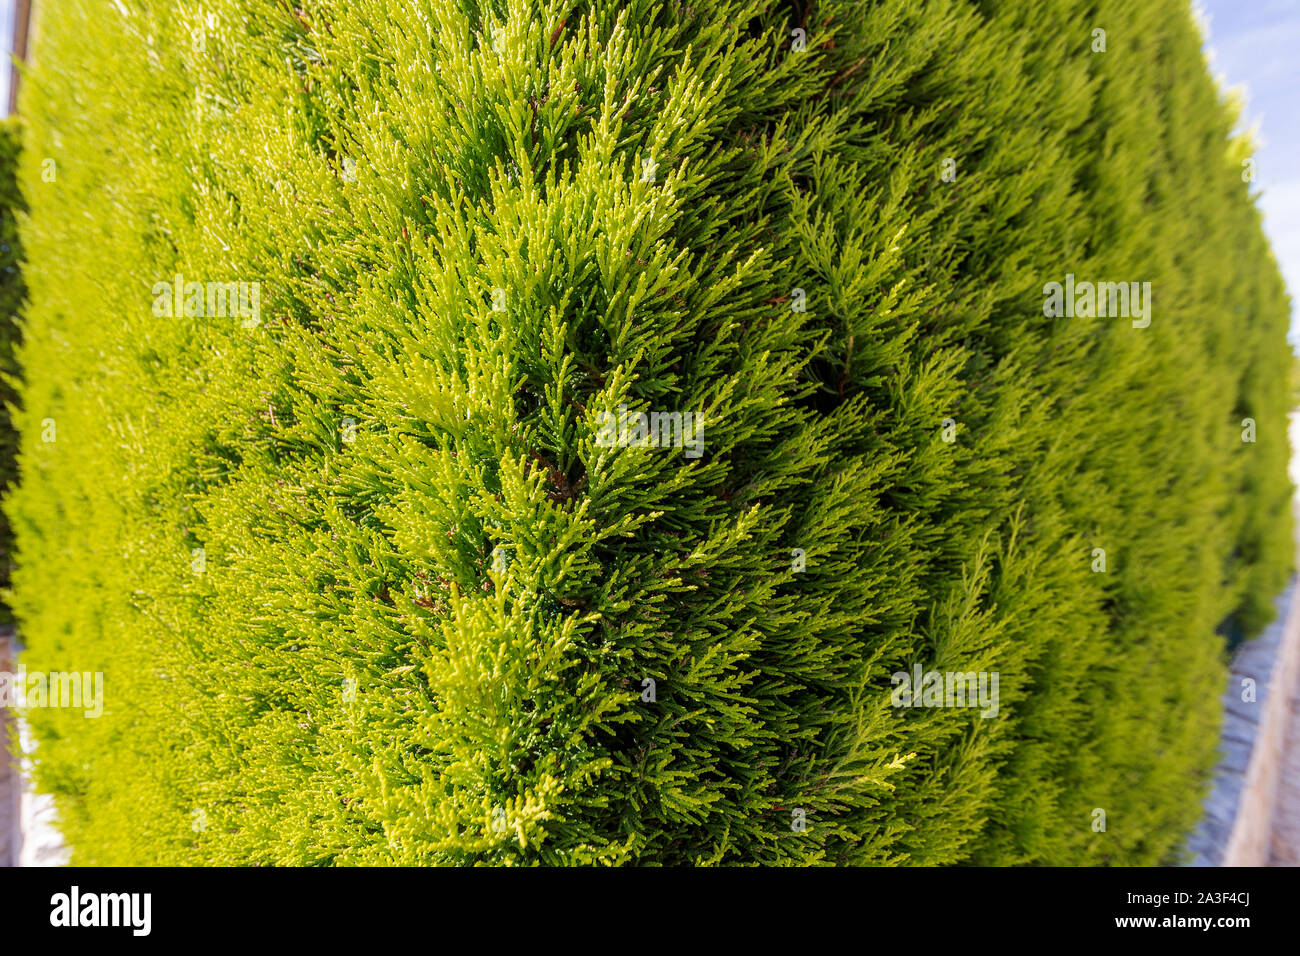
1285,847
9,778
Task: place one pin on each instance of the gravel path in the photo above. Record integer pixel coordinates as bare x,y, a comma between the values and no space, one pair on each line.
10,781
28,836
1285,847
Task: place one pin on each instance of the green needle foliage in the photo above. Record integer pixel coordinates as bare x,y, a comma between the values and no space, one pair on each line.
11,299
368,586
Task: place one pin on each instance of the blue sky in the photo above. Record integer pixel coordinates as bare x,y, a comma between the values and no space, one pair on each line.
1255,45
7,34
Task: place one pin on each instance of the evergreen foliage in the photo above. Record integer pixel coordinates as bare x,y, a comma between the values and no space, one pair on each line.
365,583
11,297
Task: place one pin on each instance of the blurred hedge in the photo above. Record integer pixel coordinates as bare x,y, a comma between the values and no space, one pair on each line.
11,297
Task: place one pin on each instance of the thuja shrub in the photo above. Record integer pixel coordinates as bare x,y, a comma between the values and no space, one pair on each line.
557,432
11,297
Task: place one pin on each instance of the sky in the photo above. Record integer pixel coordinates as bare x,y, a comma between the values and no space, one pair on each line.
1255,45
7,35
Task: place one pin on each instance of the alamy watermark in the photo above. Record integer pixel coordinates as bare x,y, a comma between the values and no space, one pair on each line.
951,689
213,300
132,911
652,430
76,690
1101,300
